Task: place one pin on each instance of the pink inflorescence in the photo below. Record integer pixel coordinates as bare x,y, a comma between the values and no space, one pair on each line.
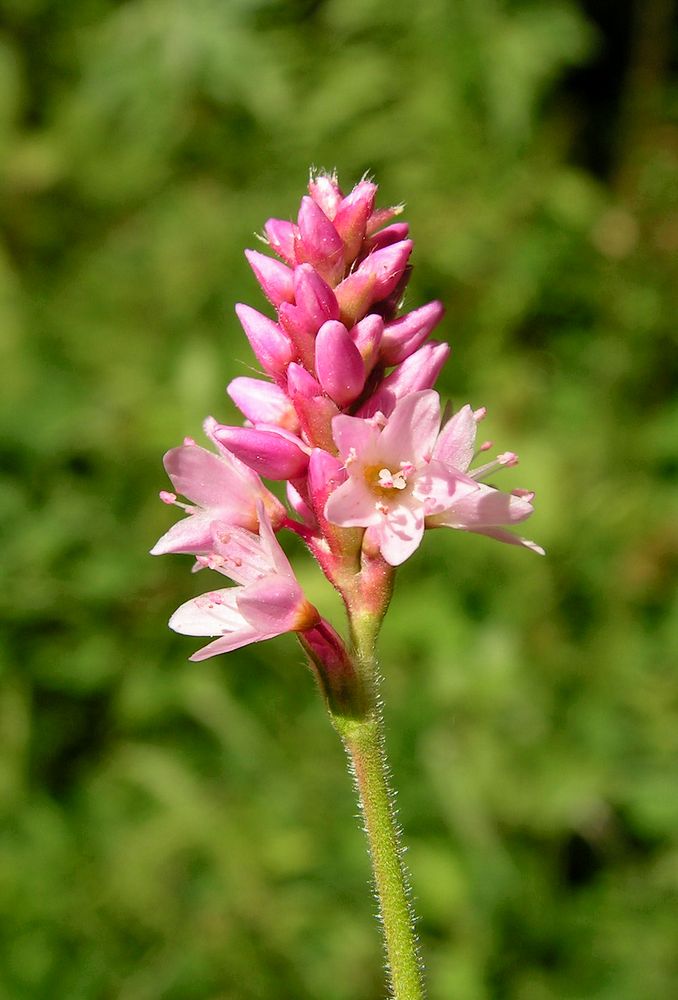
345,414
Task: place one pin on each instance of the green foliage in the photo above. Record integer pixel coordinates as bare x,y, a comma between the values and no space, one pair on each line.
186,832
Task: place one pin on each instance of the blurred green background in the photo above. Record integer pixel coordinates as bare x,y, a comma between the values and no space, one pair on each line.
188,832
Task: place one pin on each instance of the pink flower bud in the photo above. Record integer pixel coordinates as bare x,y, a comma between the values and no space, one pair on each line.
419,371
351,218
314,298
325,473
299,506
272,453
366,335
335,669
386,266
355,295
276,279
381,217
389,306
263,402
319,243
301,383
326,193
338,363
403,336
327,648
271,345
387,237
315,416
282,236
295,324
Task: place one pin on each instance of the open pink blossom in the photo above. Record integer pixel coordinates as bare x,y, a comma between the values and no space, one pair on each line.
268,600
394,482
486,510
219,488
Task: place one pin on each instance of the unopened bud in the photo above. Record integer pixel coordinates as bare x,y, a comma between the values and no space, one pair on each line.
404,336
338,364
319,243
281,236
276,279
271,345
271,453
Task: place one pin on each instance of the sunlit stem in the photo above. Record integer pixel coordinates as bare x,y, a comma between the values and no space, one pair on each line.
363,739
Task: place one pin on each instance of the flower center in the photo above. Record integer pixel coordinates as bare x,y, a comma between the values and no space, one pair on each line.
383,481
388,481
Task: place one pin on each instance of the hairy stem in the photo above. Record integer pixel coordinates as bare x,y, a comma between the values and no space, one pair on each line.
364,742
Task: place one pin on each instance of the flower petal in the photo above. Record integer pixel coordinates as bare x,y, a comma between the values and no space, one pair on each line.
271,546
275,605
206,479
239,554
352,505
210,614
355,434
400,533
234,640
412,428
507,536
456,444
438,486
192,534
485,507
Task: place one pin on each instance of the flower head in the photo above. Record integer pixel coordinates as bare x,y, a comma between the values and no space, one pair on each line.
394,482
346,416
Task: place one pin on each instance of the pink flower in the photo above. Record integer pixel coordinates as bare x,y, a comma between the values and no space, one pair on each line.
220,488
486,510
394,482
268,600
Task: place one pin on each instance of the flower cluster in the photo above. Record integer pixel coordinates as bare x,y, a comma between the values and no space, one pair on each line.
346,415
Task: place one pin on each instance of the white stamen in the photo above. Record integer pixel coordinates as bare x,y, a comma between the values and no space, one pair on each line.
505,460
171,499
388,481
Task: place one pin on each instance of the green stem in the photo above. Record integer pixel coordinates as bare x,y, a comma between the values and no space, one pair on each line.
364,742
